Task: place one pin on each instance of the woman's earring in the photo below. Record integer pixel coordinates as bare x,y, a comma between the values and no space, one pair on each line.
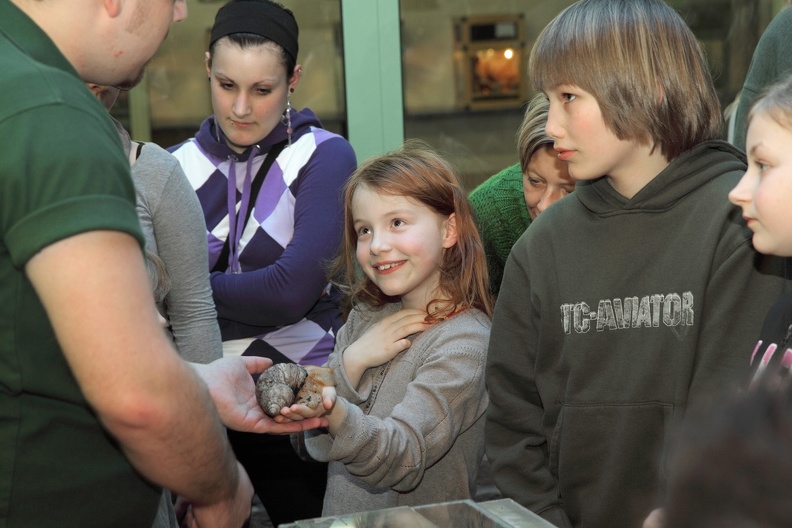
288,119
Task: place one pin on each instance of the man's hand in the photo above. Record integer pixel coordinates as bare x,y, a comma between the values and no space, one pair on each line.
233,391
233,512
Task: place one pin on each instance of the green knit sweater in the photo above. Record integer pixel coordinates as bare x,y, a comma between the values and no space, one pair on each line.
502,216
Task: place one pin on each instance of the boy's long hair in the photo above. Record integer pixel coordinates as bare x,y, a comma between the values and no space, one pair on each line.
643,65
420,174
776,102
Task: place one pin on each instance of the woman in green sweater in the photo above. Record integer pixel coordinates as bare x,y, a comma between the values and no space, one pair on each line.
506,203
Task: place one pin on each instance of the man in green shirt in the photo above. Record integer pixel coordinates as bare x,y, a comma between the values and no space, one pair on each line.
97,411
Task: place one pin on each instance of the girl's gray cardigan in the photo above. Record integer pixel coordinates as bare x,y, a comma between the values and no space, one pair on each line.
415,432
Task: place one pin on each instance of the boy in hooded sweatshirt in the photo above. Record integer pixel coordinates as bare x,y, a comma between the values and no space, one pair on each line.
635,295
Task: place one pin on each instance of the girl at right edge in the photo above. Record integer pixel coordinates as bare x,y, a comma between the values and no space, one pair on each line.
407,427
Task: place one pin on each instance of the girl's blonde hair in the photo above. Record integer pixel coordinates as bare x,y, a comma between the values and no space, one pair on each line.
419,173
642,64
776,102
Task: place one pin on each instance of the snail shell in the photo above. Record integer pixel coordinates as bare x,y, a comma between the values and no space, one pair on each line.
277,386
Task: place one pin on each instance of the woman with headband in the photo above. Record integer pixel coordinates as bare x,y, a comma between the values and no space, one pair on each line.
269,180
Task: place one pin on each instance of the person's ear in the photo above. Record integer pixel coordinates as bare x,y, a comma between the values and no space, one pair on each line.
113,7
295,78
97,89
207,63
450,236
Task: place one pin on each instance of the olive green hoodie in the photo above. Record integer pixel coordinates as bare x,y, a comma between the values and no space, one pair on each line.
613,315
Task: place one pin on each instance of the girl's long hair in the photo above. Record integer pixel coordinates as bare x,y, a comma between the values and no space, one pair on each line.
418,173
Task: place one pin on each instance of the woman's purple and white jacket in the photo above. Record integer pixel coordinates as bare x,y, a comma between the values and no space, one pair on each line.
273,298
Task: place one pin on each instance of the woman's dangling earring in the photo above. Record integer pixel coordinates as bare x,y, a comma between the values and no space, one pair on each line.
288,119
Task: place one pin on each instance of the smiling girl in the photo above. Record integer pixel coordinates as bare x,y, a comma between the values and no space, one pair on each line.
269,180
407,427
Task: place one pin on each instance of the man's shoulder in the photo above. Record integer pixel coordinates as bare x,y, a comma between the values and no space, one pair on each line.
37,75
52,112
27,84
50,118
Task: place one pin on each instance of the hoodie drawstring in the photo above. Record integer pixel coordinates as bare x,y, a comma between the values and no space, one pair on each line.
236,219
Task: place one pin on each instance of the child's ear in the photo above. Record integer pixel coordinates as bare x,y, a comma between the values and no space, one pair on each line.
450,236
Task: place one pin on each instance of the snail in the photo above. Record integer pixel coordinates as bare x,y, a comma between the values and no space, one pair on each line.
285,384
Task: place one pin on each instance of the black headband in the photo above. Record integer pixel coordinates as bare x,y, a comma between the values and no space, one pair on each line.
259,18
